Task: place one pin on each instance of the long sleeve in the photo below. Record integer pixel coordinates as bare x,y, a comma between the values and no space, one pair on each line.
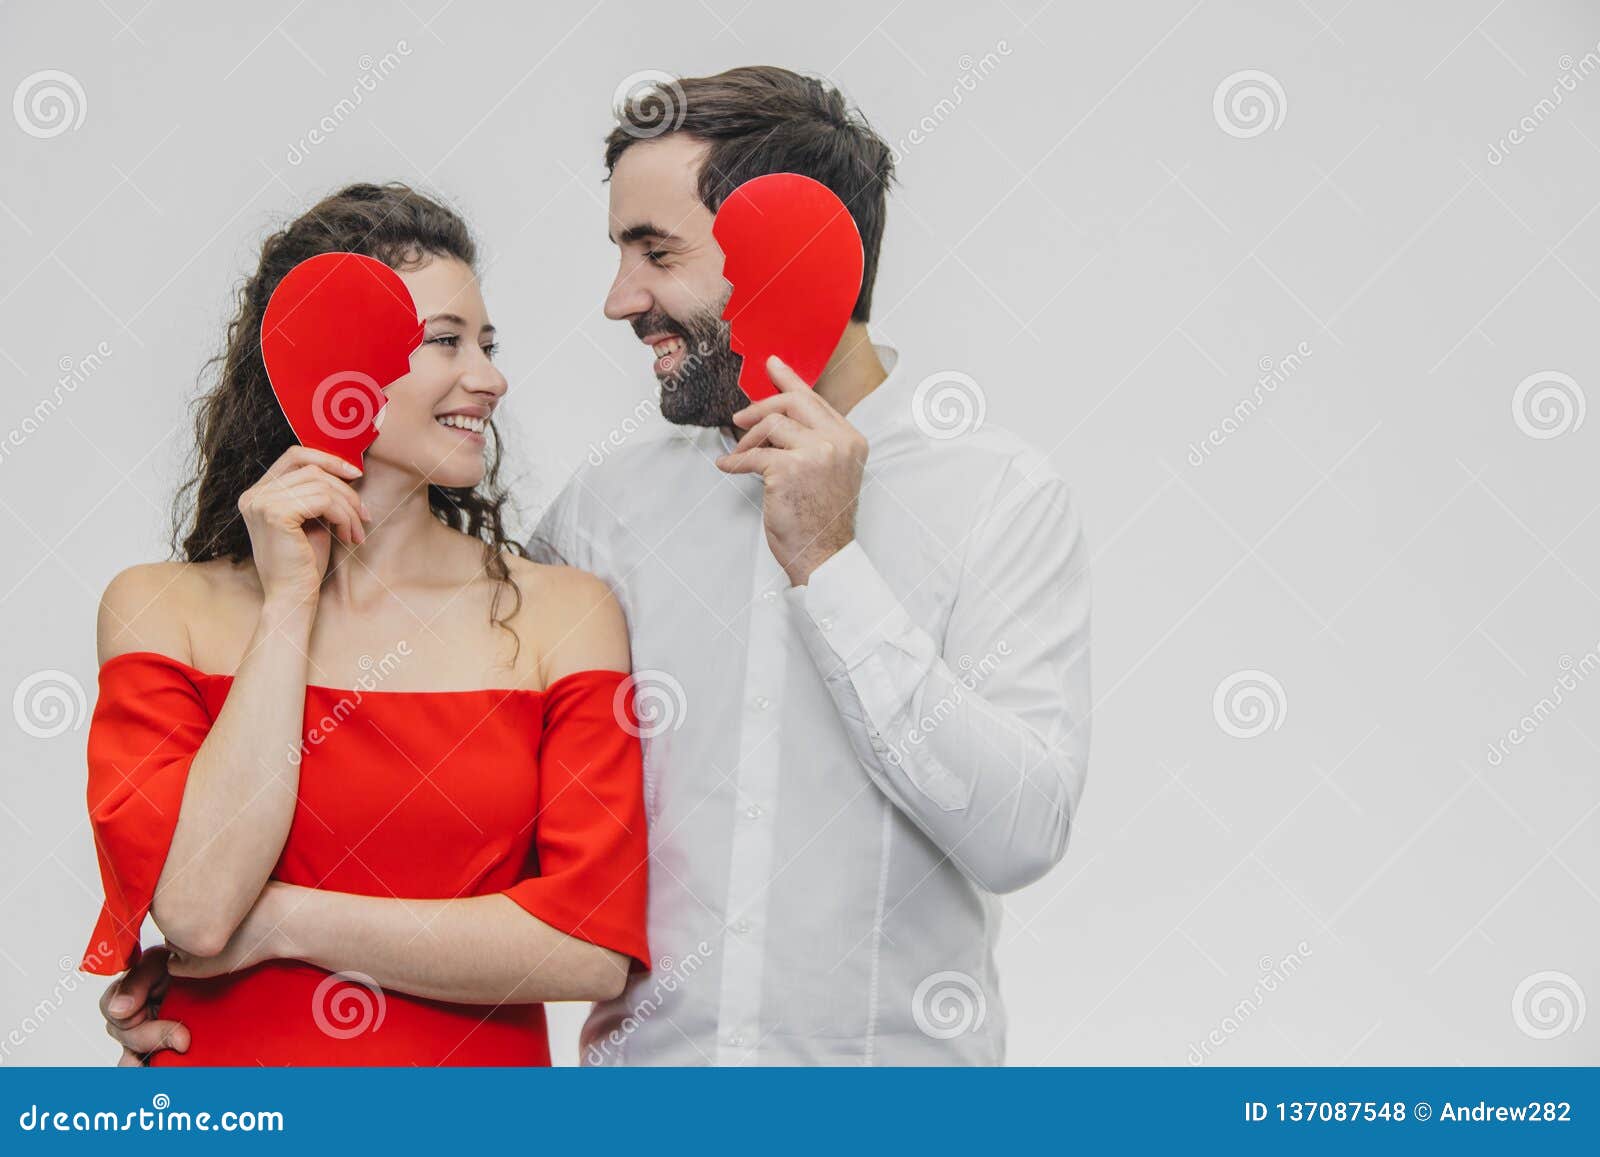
982,740
149,721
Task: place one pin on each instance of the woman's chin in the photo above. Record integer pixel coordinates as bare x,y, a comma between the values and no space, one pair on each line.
464,477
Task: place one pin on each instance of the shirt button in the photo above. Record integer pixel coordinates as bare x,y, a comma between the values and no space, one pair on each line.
761,702
770,596
753,811
741,927
736,1041
825,623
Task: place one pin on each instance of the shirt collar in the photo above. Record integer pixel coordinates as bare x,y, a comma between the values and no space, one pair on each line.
876,412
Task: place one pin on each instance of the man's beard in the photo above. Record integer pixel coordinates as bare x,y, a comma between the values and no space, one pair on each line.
703,389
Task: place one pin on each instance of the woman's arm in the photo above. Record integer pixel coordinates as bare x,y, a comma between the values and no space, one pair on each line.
472,950
239,794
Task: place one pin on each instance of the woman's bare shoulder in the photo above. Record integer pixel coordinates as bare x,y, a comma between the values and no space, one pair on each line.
556,581
572,616
150,606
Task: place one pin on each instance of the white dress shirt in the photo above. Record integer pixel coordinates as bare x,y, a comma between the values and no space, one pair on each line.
840,777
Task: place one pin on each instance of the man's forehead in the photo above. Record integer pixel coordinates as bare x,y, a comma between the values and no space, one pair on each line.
656,183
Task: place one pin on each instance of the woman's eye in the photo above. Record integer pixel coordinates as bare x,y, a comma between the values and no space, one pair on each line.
444,339
490,350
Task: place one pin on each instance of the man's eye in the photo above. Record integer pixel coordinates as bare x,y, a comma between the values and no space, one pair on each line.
654,256
445,339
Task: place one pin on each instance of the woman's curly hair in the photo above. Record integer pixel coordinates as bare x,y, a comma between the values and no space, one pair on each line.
240,429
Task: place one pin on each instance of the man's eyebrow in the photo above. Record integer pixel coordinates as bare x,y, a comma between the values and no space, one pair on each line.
641,231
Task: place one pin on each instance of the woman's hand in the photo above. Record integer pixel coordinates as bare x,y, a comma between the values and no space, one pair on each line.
282,511
260,936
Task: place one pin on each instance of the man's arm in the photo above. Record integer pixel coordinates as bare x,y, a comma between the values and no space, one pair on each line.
982,740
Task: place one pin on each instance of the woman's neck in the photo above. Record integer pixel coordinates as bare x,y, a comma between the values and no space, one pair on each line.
401,539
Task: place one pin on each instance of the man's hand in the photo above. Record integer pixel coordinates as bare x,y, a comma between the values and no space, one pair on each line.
810,459
128,1006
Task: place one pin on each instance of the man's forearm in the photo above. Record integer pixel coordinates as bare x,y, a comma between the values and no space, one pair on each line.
990,792
987,756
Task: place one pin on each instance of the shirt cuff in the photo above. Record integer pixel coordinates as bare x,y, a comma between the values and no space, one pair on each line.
851,606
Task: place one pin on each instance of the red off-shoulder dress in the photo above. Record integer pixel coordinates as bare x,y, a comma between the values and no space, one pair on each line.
534,794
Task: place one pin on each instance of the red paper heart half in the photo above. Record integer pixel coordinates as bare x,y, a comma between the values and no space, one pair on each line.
338,329
793,255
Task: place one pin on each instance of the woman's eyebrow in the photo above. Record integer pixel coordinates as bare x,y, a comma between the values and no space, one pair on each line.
457,319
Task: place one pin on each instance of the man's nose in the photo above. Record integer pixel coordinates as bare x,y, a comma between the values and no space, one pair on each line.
627,298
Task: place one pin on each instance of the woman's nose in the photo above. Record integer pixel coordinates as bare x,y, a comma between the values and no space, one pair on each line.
484,377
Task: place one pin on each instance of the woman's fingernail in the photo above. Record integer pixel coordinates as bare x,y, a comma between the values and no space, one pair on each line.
121,1004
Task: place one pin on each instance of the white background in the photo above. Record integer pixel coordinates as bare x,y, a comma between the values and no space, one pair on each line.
1078,233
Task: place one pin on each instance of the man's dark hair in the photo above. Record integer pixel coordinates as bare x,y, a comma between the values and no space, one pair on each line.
763,119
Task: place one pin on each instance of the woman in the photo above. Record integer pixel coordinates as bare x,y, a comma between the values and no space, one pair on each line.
348,872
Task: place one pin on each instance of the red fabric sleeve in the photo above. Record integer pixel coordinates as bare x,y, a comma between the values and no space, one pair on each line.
148,722
590,836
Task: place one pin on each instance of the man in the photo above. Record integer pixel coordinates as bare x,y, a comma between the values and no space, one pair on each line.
859,634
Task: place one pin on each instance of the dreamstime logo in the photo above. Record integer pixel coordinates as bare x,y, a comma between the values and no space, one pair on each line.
49,703
947,1004
74,372
347,1004
49,103
346,403
1249,103
372,71
972,72
1273,375
666,977
632,424
948,404
659,704
1249,703
373,672
33,1020
972,673
1571,73
1273,974
1548,1005
649,103
1548,404
1573,672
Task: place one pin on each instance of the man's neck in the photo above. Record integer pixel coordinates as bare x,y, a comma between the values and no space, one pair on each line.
853,371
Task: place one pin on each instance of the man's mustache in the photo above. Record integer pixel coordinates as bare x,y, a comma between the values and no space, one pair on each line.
654,323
